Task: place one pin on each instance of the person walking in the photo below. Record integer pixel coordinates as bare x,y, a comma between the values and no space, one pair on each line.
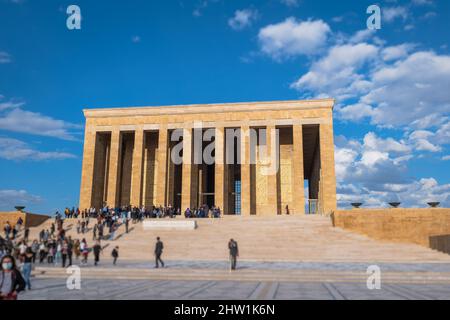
112,230
158,252
64,251
42,252
22,250
58,252
100,232
69,250
94,232
35,249
234,253
84,251
11,281
52,229
115,254
7,230
97,250
51,252
26,268
26,234
76,249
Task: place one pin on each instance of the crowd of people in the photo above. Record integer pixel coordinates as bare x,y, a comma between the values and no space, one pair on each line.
53,247
140,213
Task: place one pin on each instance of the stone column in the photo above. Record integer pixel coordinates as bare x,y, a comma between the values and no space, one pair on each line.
219,190
186,188
245,171
327,194
137,169
87,171
161,157
298,180
272,155
114,167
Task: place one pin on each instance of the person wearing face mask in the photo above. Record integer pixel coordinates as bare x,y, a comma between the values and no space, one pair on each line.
11,281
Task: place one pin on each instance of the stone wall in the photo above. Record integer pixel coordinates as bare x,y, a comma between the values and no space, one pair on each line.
30,219
428,227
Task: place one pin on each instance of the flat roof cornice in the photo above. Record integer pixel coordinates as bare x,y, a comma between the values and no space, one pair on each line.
208,108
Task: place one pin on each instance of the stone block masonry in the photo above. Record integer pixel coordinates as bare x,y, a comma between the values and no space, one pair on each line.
128,160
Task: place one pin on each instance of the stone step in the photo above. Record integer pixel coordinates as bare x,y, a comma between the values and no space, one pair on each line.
279,238
247,275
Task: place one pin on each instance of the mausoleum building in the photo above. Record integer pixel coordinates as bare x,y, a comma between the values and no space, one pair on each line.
132,157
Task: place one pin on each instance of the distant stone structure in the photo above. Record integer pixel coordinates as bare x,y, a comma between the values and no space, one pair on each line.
127,157
30,219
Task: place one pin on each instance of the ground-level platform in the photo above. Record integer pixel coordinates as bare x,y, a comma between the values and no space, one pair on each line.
252,280
283,257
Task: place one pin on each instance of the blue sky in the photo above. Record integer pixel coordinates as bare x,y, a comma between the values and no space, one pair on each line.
392,126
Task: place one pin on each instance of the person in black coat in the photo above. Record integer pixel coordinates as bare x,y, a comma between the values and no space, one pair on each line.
234,253
11,280
115,254
97,250
158,252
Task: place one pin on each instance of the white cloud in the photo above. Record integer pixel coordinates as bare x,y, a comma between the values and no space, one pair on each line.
18,120
363,162
336,74
389,14
290,3
136,39
445,158
362,36
243,18
421,141
13,149
371,172
391,86
292,38
355,112
5,57
410,89
10,104
422,2
442,135
372,142
396,52
11,198
429,15
344,157
201,6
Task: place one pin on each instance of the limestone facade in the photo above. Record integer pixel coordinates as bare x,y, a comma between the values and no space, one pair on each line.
428,227
128,159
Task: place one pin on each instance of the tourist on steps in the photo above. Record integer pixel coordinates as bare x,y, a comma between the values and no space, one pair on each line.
26,268
84,251
158,252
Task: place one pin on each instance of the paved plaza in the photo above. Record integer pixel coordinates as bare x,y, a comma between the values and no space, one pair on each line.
205,280
107,289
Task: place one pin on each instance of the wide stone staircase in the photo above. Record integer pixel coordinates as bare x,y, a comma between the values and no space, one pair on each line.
308,238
